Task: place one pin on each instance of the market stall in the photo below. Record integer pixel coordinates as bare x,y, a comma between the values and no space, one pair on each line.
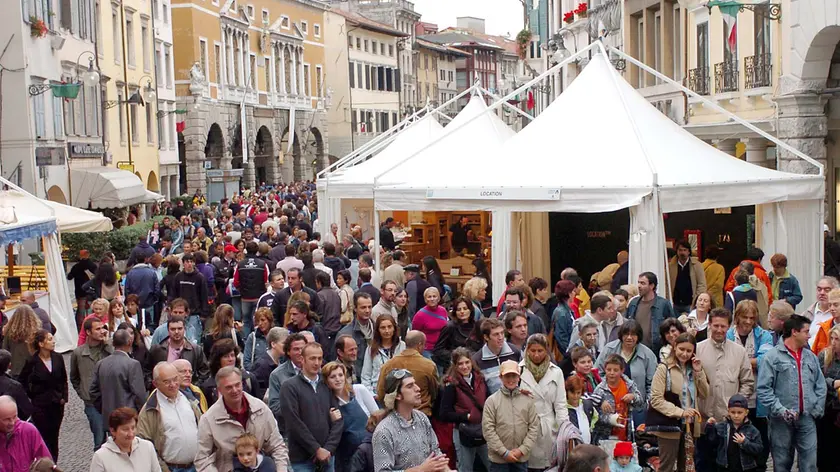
24,216
601,146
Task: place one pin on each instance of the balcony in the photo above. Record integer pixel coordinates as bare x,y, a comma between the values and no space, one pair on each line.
758,71
698,80
726,76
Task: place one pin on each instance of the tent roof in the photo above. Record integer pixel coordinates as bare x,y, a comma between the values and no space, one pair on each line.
357,180
69,219
602,146
108,187
456,153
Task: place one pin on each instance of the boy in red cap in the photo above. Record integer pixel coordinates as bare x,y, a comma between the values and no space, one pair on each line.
623,458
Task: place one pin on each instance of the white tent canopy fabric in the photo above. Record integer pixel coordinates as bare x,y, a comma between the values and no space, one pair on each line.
68,219
599,147
108,187
357,181
37,218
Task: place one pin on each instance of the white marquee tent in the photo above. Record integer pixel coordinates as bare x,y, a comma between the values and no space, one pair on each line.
601,147
24,216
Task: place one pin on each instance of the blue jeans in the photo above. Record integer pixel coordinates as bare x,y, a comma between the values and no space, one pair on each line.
310,466
800,436
194,327
248,309
507,467
97,426
466,455
182,469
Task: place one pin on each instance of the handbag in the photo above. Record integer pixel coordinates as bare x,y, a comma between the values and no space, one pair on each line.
655,420
471,434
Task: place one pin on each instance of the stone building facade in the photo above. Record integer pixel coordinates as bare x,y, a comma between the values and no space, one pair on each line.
267,57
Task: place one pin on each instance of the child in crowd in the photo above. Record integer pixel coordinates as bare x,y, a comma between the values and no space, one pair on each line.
615,399
737,441
583,362
623,458
248,457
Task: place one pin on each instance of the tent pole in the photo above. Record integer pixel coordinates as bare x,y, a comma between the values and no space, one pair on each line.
720,109
10,259
377,257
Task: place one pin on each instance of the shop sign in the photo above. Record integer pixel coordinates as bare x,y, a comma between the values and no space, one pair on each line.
494,194
81,150
50,156
125,166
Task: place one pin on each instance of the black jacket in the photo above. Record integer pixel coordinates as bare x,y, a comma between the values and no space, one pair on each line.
140,253
330,309
43,387
386,238
192,287
374,293
190,352
308,276
13,388
251,277
79,276
335,264
281,300
452,336
307,417
262,368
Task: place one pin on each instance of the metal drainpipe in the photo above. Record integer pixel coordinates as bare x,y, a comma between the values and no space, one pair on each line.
125,84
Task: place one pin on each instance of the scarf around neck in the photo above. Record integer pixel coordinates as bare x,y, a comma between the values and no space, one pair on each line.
538,370
366,329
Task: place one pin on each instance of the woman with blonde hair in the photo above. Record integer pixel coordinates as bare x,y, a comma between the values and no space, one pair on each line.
476,290
256,344
223,327
356,403
18,335
100,309
828,427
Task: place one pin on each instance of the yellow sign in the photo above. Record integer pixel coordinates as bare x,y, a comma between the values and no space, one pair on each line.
125,166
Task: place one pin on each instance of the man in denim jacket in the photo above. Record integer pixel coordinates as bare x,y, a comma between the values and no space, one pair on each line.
792,387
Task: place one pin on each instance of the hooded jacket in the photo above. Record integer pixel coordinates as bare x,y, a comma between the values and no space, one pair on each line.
509,421
192,287
140,253
142,280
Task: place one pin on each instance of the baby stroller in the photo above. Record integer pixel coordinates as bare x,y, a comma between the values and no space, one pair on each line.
645,448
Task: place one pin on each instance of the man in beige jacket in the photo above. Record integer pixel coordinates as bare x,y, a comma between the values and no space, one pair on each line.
237,413
510,423
727,366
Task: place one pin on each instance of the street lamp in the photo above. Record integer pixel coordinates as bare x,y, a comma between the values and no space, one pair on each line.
91,76
148,91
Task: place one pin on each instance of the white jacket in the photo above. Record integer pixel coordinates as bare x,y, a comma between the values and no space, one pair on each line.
109,458
373,364
552,410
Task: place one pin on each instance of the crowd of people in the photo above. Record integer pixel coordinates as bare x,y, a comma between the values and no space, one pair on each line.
239,337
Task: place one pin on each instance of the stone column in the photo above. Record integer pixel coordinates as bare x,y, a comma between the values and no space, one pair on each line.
726,145
282,88
804,126
230,58
249,177
195,138
757,153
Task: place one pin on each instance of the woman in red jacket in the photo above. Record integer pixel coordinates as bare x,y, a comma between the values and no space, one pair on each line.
461,403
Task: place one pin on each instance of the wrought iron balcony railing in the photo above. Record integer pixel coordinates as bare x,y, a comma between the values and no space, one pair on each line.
726,76
698,80
758,71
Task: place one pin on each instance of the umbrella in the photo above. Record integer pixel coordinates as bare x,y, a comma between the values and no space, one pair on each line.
689,446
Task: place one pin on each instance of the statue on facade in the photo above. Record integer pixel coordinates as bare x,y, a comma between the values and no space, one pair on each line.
197,79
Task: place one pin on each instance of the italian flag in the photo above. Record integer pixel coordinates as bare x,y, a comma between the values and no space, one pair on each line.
729,10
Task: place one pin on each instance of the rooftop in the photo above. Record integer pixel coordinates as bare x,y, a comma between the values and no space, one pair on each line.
459,38
442,48
367,23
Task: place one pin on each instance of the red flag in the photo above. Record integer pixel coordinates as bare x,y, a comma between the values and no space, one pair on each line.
530,104
180,126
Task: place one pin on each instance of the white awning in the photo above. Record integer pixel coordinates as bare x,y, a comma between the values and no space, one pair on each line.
106,187
152,197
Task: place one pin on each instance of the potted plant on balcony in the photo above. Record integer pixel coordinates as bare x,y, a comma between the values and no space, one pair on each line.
523,38
581,9
569,17
38,29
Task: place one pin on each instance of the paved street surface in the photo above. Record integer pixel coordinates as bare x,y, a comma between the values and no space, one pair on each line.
75,447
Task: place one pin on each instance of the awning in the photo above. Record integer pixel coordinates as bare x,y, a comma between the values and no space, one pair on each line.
69,219
106,187
152,197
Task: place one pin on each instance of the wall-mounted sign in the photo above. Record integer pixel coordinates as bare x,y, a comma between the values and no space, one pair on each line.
50,156
494,194
81,150
125,166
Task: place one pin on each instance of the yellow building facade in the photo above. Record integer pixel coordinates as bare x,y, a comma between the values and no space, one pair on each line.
127,65
266,56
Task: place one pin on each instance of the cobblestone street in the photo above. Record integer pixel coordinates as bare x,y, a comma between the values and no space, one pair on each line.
76,441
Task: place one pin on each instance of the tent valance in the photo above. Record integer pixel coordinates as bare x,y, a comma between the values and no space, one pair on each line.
68,219
16,234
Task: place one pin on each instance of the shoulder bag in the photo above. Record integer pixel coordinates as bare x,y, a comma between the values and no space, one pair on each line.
471,434
655,420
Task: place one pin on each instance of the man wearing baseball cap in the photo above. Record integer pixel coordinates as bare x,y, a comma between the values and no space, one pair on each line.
224,269
509,447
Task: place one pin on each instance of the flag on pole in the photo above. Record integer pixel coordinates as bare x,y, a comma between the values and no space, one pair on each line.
530,103
729,10
180,126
